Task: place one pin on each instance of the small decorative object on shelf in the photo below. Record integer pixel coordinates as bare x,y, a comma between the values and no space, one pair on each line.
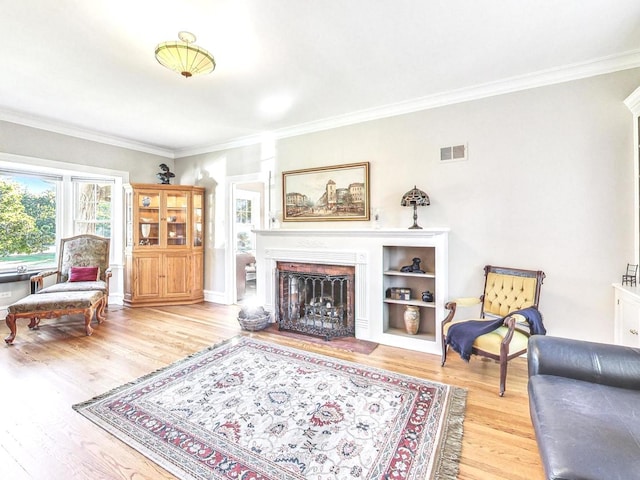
415,198
629,278
375,216
146,201
412,319
253,318
427,296
414,267
165,175
397,293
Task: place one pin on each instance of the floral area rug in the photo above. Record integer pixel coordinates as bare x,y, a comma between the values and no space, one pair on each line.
247,409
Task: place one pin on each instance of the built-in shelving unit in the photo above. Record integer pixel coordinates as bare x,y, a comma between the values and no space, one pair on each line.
394,258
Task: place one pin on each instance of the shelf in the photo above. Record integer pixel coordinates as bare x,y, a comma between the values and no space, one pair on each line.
418,336
398,273
417,303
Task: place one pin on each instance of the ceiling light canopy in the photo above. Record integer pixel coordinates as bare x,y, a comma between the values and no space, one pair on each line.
184,57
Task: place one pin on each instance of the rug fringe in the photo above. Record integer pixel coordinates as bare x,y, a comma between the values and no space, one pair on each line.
449,457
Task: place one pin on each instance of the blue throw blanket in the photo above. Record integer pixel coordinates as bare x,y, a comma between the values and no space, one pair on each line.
462,335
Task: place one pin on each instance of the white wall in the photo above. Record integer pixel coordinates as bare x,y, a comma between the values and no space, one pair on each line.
548,185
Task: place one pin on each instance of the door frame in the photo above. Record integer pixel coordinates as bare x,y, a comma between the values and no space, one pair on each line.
232,183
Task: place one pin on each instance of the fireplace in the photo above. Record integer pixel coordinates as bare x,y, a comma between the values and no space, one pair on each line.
316,299
362,251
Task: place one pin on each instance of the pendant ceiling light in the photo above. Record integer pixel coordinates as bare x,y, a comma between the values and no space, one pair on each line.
184,57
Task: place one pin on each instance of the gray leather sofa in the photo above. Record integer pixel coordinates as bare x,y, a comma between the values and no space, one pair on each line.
584,400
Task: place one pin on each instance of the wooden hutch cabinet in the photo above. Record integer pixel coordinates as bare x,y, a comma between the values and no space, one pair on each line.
164,245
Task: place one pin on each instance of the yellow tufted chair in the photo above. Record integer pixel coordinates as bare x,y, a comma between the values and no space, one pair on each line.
505,290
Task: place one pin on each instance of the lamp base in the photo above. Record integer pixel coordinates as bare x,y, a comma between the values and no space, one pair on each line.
415,225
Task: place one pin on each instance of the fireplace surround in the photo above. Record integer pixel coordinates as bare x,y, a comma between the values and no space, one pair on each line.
364,252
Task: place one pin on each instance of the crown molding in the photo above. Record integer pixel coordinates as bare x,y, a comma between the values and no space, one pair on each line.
576,71
541,78
84,134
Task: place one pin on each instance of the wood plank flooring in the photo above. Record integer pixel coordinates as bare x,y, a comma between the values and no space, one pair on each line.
48,370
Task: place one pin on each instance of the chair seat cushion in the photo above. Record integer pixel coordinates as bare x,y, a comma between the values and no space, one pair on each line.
490,342
44,302
75,286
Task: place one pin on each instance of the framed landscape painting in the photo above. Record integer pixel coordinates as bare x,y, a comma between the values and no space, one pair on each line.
339,192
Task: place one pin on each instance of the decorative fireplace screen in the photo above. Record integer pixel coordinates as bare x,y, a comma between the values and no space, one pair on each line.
316,299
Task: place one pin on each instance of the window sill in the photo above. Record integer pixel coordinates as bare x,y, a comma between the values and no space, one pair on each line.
9,277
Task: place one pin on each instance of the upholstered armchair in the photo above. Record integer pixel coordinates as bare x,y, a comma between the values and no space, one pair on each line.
83,265
508,316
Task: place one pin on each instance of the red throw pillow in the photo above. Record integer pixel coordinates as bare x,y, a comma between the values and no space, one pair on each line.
84,274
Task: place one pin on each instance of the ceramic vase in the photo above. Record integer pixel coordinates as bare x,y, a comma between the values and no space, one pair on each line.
412,319
145,229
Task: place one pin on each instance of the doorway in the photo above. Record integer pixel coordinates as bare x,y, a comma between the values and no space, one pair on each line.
246,214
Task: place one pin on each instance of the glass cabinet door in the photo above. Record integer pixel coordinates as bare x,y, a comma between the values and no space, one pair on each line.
197,219
148,209
177,218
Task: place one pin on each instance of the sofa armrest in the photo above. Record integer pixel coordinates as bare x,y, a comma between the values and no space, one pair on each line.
613,365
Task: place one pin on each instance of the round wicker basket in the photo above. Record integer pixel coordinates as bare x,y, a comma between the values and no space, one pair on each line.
255,322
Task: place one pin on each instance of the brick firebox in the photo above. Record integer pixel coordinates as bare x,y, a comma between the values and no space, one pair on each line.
316,299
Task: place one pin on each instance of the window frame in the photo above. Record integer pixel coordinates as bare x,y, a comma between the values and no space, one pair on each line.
65,195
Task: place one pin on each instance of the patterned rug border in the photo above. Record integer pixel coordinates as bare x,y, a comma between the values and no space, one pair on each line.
445,464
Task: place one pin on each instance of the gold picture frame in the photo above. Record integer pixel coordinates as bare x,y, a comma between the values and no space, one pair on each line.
334,193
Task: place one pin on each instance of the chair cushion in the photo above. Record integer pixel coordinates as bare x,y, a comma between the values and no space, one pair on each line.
43,302
84,274
75,287
490,342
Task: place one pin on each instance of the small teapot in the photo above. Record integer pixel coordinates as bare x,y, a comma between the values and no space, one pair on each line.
427,296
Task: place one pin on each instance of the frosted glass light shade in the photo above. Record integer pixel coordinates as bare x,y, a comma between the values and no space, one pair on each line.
184,57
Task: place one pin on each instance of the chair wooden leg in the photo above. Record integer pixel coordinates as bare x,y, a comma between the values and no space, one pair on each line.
11,323
503,375
88,316
444,350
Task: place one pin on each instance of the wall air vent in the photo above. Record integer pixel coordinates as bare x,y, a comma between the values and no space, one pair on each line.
454,153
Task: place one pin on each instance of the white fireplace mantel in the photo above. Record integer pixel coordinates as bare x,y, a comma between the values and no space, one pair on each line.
362,249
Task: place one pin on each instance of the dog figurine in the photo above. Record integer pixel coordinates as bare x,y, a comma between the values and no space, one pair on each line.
414,267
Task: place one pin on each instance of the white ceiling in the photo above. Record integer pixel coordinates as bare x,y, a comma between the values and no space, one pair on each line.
87,67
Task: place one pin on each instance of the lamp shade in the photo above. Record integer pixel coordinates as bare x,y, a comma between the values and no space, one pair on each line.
415,198
184,57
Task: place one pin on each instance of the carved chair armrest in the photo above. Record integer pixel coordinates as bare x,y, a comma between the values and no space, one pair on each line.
462,302
37,279
511,323
451,306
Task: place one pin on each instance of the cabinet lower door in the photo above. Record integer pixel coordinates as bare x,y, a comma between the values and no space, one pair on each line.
198,274
147,283
628,322
177,275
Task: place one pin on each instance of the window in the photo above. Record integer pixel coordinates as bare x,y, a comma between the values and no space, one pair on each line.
243,210
35,208
27,220
93,207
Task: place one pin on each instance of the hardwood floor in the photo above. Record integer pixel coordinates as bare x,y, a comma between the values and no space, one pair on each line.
48,370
